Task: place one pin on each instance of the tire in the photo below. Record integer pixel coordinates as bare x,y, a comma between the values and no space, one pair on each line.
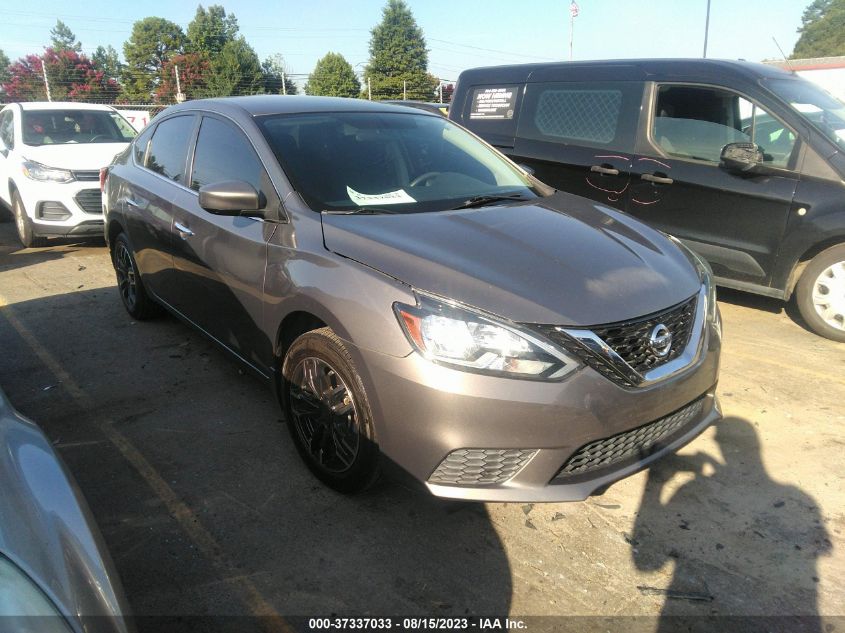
820,294
328,413
131,289
26,234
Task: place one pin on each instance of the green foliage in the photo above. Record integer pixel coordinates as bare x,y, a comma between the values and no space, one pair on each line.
193,71
398,56
4,67
210,30
333,76
236,70
107,60
275,70
822,31
63,39
152,42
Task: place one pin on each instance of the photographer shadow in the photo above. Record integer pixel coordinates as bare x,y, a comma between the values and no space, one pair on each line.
744,547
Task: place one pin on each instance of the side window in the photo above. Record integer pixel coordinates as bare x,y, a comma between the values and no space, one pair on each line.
595,114
697,122
140,147
169,148
224,153
7,133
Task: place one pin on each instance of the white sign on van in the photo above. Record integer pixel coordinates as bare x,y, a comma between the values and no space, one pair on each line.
494,103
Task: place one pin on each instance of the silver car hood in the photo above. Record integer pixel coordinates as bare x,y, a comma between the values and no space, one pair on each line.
560,260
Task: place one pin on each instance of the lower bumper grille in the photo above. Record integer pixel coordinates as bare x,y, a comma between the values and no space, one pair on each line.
480,466
634,445
90,200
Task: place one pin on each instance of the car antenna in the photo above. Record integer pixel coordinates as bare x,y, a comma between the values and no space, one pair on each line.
788,65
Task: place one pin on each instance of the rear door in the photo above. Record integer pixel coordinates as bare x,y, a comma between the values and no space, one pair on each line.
735,221
220,260
577,136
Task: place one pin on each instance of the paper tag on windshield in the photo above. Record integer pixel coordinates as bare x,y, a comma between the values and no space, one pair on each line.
391,197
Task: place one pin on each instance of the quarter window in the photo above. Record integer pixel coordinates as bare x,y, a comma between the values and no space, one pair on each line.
169,148
140,147
697,122
223,153
6,129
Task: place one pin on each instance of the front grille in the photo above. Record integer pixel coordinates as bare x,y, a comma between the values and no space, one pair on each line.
90,200
623,448
87,175
631,339
480,466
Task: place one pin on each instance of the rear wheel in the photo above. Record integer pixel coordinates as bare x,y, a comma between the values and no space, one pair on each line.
820,293
133,295
328,413
26,234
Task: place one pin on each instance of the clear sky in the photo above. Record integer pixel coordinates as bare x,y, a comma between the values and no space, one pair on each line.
460,33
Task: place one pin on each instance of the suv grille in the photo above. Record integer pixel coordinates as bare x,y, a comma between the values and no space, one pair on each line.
91,200
92,175
629,446
479,466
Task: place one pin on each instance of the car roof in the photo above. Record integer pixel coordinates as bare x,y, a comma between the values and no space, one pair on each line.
643,69
259,105
63,105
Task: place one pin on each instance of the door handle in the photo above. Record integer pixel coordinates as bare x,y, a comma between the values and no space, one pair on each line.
607,171
133,203
661,180
184,231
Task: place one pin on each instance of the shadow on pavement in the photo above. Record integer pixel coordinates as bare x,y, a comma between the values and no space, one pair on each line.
774,534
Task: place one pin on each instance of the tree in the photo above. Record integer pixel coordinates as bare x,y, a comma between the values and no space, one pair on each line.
275,71
72,77
210,30
107,60
63,39
4,67
333,76
193,71
398,56
236,70
822,30
152,42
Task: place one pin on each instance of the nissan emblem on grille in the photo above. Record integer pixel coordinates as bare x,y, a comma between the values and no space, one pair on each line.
660,341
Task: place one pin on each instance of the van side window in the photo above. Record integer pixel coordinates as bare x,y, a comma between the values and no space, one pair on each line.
697,122
596,114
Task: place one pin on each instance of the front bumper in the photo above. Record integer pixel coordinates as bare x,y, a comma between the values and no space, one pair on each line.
81,199
424,412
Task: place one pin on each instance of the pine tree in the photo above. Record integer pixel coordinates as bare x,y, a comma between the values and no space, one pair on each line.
107,60
398,56
822,30
210,30
4,67
236,70
63,39
275,71
152,42
333,76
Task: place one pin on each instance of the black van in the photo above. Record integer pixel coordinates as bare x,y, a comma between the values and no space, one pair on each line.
743,162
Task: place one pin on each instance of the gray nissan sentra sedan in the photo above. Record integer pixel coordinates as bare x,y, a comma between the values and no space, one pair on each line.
417,300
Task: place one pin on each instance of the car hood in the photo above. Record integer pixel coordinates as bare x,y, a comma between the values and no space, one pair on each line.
563,260
76,156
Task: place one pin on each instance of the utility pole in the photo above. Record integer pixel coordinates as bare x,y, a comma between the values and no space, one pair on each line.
706,28
46,81
440,89
369,89
180,97
573,13
404,90
284,86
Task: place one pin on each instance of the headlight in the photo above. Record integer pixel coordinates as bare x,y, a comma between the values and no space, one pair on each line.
21,599
453,335
705,273
42,173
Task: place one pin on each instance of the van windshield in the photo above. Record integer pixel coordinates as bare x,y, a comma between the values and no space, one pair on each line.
822,110
393,162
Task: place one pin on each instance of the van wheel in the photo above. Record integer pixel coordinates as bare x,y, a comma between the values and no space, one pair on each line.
26,234
133,295
820,293
328,413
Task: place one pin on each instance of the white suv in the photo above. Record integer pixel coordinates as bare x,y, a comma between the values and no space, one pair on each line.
50,160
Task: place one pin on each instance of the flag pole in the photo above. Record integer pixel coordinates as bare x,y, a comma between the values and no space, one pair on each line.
571,33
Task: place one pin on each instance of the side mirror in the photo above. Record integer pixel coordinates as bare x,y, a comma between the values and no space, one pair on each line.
231,197
528,170
742,158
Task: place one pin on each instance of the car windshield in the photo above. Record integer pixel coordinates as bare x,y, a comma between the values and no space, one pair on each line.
390,162
824,111
59,127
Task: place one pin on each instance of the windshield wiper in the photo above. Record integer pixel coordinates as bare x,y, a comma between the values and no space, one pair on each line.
480,201
360,211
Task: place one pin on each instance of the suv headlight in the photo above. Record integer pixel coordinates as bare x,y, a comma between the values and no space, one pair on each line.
453,335
42,173
22,599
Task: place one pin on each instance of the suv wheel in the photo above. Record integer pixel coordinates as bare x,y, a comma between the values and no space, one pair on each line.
26,234
328,413
135,299
820,293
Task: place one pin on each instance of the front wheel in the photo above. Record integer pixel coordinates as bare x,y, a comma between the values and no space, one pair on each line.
328,413
133,295
820,293
26,234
